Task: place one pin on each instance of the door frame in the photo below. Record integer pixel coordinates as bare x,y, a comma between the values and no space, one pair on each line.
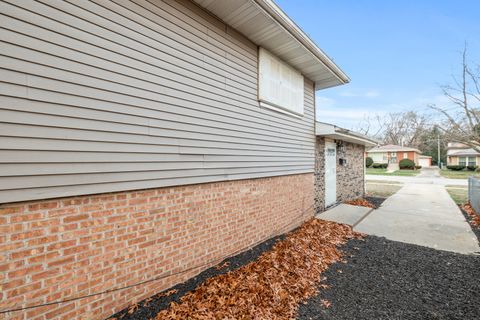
330,190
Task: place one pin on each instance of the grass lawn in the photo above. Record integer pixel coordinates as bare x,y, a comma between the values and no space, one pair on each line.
383,172
458,194
382,189
458,174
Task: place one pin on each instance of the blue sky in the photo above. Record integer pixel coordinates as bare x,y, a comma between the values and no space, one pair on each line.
396,53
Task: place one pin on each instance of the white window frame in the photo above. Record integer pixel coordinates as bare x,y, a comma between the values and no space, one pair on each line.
280,87
405,155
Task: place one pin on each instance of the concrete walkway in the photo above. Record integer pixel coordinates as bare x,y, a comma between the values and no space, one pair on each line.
345,213
429,172
422,214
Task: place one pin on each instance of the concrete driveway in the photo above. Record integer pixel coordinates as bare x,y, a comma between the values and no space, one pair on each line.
422,214
426,176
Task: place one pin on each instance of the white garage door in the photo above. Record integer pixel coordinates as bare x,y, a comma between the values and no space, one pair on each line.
424,162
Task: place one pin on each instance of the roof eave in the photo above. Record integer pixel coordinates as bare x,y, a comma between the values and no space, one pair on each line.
331,131
266,25
280,16
394,150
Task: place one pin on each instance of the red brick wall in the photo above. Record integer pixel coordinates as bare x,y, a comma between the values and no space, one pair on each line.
410,155
64,248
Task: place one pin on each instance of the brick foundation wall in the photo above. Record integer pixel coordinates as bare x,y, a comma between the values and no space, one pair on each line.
350,178
64,248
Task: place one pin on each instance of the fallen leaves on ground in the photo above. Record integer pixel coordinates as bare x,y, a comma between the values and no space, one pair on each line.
327,304
471,212
166,294
132,308
360,202
272,286
222,266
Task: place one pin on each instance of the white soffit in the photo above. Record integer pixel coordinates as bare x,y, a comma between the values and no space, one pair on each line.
331,131
265,24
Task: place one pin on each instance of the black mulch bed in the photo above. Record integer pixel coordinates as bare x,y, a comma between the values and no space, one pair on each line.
376,201
381,279
148,310
385,279
475,229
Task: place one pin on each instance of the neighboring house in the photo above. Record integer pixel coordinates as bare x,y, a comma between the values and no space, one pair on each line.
146,140
340,164
425,161
461,154
391,153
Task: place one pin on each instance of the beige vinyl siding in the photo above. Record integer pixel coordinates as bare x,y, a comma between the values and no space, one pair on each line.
103,96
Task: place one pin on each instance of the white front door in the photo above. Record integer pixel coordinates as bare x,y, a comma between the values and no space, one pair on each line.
330,173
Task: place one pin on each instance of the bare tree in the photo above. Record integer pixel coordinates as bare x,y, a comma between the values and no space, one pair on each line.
371,126
461,119
406,128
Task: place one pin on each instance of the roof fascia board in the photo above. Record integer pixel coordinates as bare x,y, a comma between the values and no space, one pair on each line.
328,130
288,25
394,150
365,142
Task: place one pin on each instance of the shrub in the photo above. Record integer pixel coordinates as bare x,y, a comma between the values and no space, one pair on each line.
406,164
472,168
380,165
418,167
368,162
455,168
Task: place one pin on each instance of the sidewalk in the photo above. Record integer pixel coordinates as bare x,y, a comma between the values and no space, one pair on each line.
419,180
422,214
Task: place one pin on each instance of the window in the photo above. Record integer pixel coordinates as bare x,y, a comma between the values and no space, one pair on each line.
279,85
393,157
472,161
462,161
405,155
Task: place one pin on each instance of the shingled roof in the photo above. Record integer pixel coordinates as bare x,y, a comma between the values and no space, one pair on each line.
393,148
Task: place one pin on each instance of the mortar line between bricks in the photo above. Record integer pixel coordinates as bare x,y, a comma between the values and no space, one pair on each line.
276,232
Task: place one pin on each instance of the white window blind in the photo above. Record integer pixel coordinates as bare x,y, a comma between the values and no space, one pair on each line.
279,85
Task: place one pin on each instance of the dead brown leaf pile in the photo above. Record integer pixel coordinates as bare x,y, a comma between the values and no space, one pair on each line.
475,217
360,202
272,286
